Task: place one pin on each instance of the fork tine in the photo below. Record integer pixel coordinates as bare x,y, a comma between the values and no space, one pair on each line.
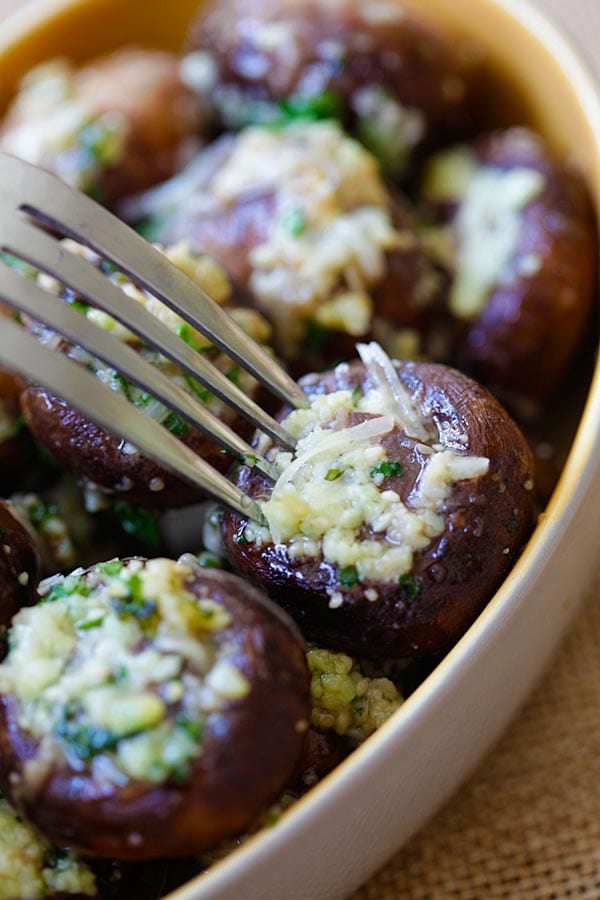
86,222
23,239
23,354
26,297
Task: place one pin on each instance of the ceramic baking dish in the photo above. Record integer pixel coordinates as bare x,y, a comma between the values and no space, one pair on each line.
351,823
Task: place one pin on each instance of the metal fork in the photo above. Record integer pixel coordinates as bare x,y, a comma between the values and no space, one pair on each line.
36,211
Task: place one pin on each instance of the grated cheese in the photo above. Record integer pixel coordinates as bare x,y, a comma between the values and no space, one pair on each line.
114,664
332,489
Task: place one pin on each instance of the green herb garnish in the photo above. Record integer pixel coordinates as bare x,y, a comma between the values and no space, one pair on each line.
40,512
111,568
176,424
409,586
388,468
348,576
240,537
208,560
79,306
139,523
294,221
90,623
234,375
68,586
326,105
333,474
315,336
86,741
119,383
185,333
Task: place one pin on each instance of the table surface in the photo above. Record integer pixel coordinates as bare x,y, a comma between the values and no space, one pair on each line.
526,826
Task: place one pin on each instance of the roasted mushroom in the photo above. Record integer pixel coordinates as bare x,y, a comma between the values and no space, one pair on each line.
149,708
407,502
302,221
19,563
100,459
516,228
386,73
118,124
17,453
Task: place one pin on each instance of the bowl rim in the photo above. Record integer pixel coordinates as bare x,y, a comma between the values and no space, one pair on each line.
581,470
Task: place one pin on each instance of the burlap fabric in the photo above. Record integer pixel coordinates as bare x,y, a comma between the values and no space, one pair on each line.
527,824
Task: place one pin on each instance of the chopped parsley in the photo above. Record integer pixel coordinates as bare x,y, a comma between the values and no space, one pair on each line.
326,105
38,512
22,267
388,468
119,383
79,306
315,336
356,395
66,587
208,560
333,474
86,741
111,568
139,523
294,221
234,375
134,603
240,537
90,623
176,424
201,393
348,576
184,331
409,586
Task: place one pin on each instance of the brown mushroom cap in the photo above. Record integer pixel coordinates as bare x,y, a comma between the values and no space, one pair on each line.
487,520
269,51
534,318
19,564
250,748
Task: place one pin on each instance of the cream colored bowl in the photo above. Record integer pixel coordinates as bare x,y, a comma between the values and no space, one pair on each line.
352,822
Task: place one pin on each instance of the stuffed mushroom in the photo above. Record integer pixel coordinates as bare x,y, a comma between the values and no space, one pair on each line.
19,563
515,227
386,73
304,224
120,123
407,501
98,458
149,708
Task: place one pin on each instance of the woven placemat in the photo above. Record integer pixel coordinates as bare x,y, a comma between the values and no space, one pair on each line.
527,825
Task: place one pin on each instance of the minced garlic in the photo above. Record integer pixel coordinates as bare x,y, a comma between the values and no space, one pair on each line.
334,487
344,699
121,663
48,123
482,243
331,227
31,868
